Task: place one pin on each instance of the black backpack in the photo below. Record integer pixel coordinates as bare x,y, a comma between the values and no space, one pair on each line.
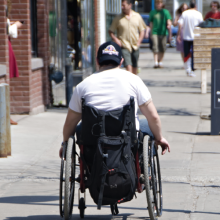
113,176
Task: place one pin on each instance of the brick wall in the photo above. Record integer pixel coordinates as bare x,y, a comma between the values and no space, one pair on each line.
36,90
4,41
20,87
31,89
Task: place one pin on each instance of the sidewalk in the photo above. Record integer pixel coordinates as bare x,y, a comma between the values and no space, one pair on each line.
29,179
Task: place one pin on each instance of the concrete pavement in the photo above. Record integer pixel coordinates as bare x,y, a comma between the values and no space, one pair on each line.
29,179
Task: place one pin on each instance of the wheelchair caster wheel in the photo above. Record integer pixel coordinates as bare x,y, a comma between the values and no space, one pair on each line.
82,207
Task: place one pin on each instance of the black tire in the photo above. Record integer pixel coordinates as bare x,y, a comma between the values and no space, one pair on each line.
147,178
61,188
156,180
82,207
69,179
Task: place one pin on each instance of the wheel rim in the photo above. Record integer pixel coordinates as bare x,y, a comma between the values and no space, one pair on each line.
156,180
147,177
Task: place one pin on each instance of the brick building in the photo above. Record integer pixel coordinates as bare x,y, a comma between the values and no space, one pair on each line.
62,35
30,91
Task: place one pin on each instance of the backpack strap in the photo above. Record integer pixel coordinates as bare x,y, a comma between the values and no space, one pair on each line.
127,121
101,123
101,191
114,209
83,102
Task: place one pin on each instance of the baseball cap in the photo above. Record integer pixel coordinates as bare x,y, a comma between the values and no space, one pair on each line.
109,51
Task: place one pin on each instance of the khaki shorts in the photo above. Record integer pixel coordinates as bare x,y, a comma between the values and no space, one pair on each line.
159,43
130,58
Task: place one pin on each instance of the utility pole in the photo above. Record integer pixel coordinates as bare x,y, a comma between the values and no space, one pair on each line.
5,131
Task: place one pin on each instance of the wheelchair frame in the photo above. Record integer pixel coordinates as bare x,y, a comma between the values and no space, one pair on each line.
147,170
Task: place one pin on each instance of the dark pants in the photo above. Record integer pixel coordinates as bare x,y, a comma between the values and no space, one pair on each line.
188,52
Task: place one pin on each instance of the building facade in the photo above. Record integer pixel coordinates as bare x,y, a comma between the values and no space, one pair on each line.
59,38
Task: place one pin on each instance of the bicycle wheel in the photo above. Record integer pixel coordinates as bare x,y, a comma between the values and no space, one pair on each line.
69,179
156,180
147,163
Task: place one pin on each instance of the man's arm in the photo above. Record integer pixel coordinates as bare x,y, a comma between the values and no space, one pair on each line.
150,112
69,128
169,24
141,37
71,122
151,29
114,38
179,32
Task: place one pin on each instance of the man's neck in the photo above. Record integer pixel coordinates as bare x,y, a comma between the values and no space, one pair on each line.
129,13
216,11
107,67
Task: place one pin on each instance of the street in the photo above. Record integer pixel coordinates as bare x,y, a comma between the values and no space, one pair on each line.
29,179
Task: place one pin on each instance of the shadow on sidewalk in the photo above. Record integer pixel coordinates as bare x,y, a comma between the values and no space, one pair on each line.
185,84
173,111
124,216
30,200
193,133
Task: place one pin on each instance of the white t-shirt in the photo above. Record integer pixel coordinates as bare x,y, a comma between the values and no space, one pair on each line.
12,30
110,90
189,20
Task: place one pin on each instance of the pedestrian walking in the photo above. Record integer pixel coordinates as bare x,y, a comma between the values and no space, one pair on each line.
130,32
160,24
187,22
214,13
179,44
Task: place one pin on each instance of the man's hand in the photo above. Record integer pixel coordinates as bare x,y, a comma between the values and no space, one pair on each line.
117,41
169,39
61,152
179,39
18,24
164,145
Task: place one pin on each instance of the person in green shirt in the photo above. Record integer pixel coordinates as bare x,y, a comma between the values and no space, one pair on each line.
160,24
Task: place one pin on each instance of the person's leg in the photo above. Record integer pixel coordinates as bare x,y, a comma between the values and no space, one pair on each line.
187,57
162,49
144,127
155,49
182,55
192,60
127,59
160,57
135,57
129,68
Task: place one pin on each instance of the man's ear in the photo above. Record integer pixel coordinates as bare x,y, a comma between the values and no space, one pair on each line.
97,62
122,60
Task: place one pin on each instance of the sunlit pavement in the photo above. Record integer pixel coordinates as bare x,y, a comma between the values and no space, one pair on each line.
29,179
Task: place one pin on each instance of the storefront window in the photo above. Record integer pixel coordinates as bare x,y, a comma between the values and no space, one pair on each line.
58,48
86,34
113,8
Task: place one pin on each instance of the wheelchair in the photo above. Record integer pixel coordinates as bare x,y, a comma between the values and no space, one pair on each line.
147,169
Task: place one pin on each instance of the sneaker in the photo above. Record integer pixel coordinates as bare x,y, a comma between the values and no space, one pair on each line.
192,74
160,65
156,66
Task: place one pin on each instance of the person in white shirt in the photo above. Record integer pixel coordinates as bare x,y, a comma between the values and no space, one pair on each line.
187,22
111,89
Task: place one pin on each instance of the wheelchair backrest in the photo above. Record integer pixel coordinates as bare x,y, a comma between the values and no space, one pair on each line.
97,123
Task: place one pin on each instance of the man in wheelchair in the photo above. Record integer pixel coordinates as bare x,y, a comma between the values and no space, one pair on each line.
111,96
111,88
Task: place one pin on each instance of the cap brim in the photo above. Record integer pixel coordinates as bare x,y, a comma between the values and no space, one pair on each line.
105,58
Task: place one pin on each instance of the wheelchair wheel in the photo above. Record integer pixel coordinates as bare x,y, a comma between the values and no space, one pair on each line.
148,162
67,180
156,180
